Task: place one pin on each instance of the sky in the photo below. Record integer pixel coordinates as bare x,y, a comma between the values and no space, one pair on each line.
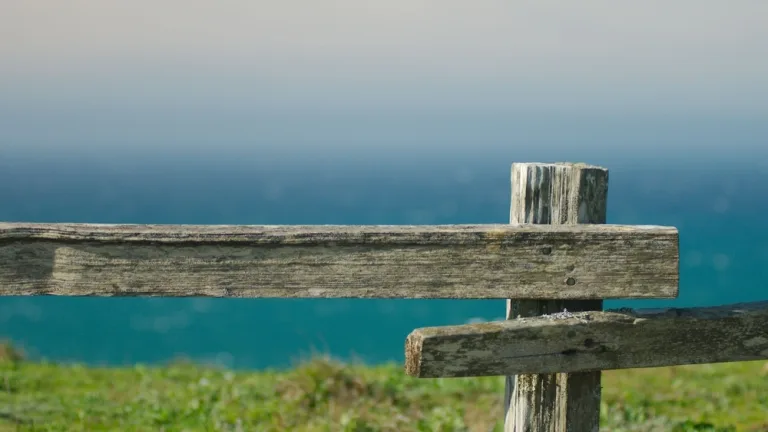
340,74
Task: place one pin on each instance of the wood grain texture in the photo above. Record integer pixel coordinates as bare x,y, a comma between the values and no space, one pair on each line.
592,341
452,261
556,194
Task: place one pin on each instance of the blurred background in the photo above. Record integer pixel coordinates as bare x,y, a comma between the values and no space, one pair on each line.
362,112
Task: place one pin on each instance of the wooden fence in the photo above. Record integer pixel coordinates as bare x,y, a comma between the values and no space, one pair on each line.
556,261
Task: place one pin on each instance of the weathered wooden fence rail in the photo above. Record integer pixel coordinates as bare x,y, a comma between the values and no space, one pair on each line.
483,261
555,263
591,341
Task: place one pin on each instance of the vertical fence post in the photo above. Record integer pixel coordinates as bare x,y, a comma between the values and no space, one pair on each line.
561,193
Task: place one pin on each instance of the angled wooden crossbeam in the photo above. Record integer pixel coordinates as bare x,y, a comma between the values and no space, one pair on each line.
591,341
452,261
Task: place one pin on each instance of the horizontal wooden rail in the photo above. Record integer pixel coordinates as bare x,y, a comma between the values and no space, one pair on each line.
451,261
591,341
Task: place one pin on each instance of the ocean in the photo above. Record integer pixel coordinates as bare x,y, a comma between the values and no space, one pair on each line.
718,208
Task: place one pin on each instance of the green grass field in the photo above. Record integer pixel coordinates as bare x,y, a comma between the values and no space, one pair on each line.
321,395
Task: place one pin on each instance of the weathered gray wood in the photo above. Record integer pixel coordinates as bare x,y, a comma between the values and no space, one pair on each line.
453,261
557,194
592,341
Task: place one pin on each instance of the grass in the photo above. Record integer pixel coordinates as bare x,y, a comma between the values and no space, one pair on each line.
322,395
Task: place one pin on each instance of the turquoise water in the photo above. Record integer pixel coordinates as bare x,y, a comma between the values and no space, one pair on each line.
719,209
